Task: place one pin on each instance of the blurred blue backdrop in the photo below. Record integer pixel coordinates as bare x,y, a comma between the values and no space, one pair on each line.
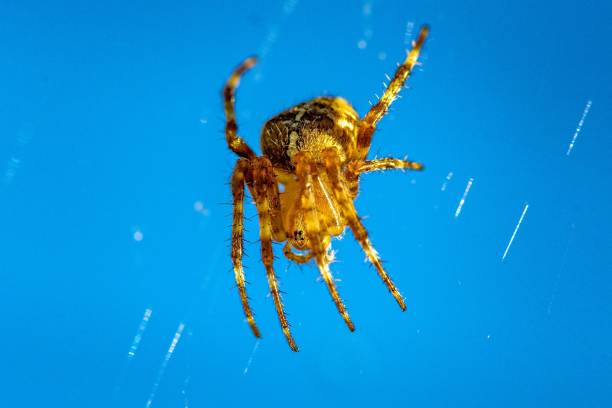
114,215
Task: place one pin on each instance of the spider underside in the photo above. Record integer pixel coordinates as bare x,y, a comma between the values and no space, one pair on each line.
317,150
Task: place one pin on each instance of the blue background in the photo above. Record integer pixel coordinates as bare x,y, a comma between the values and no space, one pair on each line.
111,129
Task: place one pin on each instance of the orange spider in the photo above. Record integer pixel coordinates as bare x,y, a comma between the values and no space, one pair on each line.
317,150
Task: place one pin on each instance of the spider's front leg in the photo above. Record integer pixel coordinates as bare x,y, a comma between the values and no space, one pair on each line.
306,172
342,196
263,176
241,176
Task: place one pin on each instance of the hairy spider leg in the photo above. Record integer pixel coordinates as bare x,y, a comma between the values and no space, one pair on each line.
235,142
261,175
367,125
387,163
304,171
238,180
332,165
356,168
273,196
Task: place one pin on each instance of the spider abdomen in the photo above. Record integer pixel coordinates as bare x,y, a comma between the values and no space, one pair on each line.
311,127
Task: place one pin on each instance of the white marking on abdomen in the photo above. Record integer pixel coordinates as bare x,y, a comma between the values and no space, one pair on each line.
293,138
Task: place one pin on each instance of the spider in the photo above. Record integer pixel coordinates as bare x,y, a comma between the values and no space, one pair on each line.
317,150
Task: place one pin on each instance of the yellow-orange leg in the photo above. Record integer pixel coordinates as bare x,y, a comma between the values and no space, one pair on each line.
261,177
369,122
273,196
235,142
332,165
356,168
237,183
386,163
304,170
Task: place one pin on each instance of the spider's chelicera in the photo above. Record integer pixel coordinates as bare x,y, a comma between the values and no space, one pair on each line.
317,150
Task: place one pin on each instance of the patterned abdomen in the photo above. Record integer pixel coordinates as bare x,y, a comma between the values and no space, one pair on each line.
311,126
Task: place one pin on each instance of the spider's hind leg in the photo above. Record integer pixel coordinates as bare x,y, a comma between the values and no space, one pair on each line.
235,142
367,126
332,165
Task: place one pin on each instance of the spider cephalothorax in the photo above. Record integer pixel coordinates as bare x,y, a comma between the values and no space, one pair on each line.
317,150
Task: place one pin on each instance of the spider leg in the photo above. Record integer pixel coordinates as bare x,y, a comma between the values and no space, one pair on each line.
332,164
237,183
386,163
355,168
273,195
304,170
369,122
235,142
261,176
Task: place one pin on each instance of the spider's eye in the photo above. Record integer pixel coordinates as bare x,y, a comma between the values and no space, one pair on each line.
298,235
